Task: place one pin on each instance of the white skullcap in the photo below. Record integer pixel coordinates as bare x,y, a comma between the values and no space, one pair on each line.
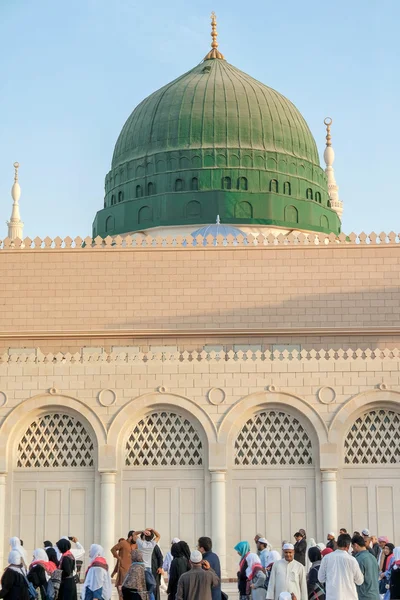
365,532
175,541
332,533
285,596
196,557
263,541
288,547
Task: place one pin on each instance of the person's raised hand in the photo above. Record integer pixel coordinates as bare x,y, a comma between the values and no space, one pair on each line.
205,564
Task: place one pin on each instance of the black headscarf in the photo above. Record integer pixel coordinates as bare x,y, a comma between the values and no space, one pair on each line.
314,554
185,550
176,550
63,545
387,558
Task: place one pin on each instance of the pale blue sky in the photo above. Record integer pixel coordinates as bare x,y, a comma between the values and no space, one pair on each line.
71,72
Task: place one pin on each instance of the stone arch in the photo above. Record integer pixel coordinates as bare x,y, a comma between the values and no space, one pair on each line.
20,417
141,406
240,412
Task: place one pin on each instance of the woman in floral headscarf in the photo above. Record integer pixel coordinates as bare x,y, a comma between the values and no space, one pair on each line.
139,583
243,549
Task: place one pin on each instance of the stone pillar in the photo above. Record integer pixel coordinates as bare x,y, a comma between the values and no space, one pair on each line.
107,513
3,559
218,516
329,501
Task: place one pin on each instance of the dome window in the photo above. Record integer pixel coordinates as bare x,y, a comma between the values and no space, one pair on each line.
291,214
179,185
243,210
287,188
242,184
318,197
309,194
120,196
226,183
195,184
273,186
109,224
139,191
145,214
112,200
193,209
150,189
324,222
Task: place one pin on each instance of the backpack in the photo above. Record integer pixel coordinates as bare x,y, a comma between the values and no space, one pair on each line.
33,595
53,585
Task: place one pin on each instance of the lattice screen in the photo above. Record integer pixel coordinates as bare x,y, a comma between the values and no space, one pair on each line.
55,440
164,439
273,438
374,439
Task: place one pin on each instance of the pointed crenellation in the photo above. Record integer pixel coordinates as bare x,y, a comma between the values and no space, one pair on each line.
329,157
15,225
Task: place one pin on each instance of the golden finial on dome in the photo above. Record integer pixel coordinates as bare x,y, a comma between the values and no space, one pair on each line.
328,122
214,52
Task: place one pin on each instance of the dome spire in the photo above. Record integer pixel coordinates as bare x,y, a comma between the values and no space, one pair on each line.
329,158
214,52
15,225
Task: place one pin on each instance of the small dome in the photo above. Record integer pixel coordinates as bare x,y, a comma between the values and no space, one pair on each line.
218,229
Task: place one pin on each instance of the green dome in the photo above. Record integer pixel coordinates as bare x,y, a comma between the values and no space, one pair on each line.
215,106
215,141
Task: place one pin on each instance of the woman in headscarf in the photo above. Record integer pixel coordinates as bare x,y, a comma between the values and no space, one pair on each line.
394,581
179,565
387,563
139,583
311,543
168,557
255,577
326,551
14,585
40,571
314,587
51,553
67,567
15,544
97,579
243,549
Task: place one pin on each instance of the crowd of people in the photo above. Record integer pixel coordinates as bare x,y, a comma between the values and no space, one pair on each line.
357,567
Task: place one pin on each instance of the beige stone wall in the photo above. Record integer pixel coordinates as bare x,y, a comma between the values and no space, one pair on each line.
165,288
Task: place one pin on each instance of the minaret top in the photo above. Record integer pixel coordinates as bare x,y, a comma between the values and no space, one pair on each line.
214,52
15,225
329,158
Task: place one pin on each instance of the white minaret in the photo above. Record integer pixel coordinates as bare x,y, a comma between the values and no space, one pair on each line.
329,157
15,225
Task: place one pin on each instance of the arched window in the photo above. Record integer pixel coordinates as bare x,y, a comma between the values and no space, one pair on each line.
145,214
273,186
112,200
139,191
324,222
242,183
373,439
164,439
179,185
193,209
287,188
53,441
110,223
243,210
273,438
291,214
194,184
105,204
318,197
226,183
309,194
120,196
150,188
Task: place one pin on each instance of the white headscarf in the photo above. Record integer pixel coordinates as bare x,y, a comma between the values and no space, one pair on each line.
252,559
40,554
14,558
273,556
321,546
175,541
95,551
97,577
396,556
15,544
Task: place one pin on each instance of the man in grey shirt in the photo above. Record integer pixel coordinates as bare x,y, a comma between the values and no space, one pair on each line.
146,541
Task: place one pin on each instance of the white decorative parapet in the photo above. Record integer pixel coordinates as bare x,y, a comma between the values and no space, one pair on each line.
185,356
138,241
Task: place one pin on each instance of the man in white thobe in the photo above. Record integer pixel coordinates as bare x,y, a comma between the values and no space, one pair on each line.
287,575
340,572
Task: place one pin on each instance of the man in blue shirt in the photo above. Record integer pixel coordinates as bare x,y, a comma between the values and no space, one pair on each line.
205,546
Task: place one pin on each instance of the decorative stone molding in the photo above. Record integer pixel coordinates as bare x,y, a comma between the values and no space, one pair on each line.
162,389
53,391
326,395
382,386
138,242
216,396
3,399
107,397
